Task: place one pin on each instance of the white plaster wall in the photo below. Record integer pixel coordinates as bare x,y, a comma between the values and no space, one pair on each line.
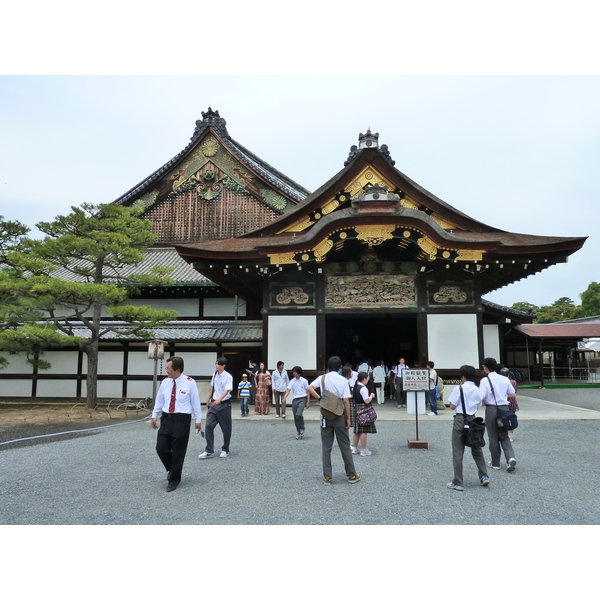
491,341
63,362
17,363
56,388
452,340
223,307
293,339
197,364
20,388
110,363
186,307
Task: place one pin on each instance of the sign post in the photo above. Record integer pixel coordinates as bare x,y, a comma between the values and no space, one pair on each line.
414,381
156,352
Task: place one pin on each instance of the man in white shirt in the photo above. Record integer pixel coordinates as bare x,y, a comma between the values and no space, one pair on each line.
219,410
280,380
176,400
431,395
379,376
400,393
300,399
495,391
472,402
338,426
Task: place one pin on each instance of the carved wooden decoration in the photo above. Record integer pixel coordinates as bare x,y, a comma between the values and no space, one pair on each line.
385,291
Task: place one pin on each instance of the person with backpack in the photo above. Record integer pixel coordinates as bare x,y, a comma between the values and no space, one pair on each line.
360,397
335,419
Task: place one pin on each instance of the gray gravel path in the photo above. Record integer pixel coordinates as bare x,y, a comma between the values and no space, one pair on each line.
115,477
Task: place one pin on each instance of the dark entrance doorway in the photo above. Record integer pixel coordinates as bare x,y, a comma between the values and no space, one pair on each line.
373,337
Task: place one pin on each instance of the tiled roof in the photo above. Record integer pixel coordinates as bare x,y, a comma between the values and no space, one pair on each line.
560,330
217,123
183,273
187,331
505,309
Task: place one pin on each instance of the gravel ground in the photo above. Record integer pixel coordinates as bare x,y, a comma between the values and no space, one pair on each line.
113,476
581,397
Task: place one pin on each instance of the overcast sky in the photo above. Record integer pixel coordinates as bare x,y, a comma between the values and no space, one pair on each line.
516,147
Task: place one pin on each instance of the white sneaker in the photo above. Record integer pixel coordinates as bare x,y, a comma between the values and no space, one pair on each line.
512,463
206,455
283,416
431,414
223,454
365,452
354,450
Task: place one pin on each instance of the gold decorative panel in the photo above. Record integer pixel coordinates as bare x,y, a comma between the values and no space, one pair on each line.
370,291
374,234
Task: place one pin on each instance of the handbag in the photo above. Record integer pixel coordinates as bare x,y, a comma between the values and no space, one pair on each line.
365,415
330,404
506,418
473,430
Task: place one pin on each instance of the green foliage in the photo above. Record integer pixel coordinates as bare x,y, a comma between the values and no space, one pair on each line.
590,300
525,307
563,309
83,266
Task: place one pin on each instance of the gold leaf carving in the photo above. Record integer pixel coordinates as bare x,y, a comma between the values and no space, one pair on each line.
470,255
450,292
210,147
428,246
299,226
292,294
322,249
374,234
370,291
330,206
282,259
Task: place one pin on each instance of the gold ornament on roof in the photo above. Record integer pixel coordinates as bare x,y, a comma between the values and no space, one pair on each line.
322,249
374,235
210,147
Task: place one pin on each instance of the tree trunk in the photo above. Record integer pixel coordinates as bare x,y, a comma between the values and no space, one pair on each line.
92,375
91,351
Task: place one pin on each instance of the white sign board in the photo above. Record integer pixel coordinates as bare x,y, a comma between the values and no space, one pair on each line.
415,379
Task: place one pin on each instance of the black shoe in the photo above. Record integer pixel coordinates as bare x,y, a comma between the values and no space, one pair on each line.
172,486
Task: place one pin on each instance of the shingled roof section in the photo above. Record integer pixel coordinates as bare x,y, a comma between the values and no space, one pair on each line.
560,330
211,119
182,274
186,331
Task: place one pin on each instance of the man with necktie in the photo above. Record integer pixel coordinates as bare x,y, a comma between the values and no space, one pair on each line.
176,400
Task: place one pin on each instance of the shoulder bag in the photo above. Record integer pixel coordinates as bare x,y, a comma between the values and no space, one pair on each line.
331,406
474,430
505,416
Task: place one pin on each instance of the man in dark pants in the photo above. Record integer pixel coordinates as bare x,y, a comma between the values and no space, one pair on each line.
332,425
219,410
176,399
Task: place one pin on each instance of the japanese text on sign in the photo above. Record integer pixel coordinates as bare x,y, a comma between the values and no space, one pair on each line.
415,379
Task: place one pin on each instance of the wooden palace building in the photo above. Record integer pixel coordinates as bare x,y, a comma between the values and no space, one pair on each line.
369,266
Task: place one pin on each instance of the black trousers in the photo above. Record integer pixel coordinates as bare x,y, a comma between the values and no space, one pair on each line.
172,442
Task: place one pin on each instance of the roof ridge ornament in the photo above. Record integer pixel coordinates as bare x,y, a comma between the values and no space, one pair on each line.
369,140
210,118
374,193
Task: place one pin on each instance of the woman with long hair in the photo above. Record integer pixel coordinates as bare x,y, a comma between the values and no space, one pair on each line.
263,382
